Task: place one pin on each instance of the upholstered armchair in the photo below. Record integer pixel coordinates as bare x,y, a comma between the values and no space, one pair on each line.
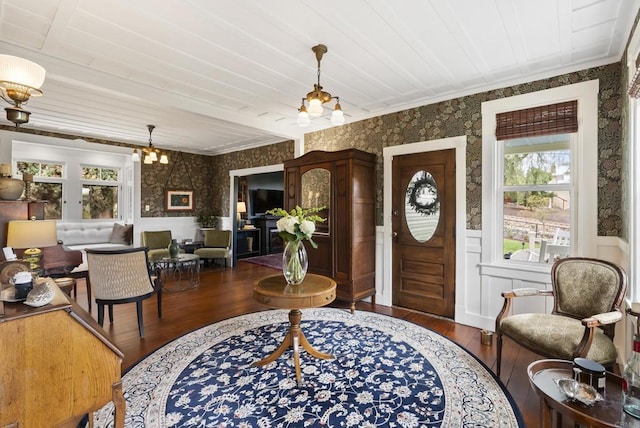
157,242
587,294
122,276
216,245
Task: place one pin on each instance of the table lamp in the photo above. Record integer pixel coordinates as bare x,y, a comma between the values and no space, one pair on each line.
32,235
241,208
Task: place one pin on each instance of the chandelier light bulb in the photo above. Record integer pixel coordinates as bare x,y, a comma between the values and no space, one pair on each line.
337,117
135,156
153,156
147,160
303,118
315,107
164,159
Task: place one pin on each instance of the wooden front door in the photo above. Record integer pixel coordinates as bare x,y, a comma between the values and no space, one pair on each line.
424,219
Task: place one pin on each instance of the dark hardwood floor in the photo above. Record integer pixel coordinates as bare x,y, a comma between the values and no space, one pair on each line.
227,292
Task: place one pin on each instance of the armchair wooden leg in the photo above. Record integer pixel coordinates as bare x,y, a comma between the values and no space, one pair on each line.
140,323
499,353
110,313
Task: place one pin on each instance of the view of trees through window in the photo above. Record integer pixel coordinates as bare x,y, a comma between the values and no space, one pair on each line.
536,195
47,185
100,189
99,193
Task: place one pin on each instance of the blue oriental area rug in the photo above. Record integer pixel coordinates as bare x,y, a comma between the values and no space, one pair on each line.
386,373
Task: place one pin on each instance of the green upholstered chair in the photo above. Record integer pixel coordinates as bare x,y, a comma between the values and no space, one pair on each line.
216,245
587,294
157,242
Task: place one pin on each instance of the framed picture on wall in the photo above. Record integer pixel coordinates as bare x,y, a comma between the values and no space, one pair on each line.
179,200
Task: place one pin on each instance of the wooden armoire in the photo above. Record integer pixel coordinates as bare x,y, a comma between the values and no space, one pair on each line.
344,181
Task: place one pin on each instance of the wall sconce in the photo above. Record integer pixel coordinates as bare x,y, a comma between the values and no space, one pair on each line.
318,97
20,79
149,154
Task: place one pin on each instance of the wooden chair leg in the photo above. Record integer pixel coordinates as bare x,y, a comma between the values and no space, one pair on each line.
110,313
100,314
159,303
88,286
140,324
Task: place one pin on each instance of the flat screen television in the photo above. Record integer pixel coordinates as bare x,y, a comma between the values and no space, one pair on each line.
266,199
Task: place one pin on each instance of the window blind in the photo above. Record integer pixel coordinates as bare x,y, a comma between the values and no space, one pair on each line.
560,118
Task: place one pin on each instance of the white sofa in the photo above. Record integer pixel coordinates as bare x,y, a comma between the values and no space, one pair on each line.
89,234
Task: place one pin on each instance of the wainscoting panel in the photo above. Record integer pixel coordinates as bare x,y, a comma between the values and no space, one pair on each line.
479,286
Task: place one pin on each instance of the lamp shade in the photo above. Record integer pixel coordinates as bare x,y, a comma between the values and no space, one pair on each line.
242,207
22,71
32,233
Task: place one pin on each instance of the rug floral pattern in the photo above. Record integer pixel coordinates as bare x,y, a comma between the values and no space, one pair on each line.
386,372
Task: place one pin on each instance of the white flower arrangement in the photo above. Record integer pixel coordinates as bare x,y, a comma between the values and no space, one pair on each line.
298,224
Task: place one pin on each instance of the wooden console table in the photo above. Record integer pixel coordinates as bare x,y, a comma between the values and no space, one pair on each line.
56,365
313,292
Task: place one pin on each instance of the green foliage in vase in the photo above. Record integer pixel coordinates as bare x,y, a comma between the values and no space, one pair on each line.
206,220
297,224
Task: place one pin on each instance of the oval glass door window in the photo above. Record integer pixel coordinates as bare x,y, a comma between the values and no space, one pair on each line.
422,206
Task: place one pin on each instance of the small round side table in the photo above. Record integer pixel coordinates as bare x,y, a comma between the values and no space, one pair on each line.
313,292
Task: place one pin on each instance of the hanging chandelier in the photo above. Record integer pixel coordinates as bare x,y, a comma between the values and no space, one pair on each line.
20,79
150,153
318,97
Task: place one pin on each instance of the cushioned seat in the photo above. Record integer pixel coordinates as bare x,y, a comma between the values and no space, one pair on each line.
157,242
556,336
587,294
216,245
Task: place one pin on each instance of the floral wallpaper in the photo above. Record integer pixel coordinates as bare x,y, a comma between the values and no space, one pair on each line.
185,171
462,116
626,143
625,209
209,176
222,164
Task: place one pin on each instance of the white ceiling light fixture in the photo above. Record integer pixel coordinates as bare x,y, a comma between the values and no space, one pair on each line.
20,79
149,154
318,97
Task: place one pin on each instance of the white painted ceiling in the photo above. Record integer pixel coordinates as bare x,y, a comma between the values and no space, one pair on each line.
225,75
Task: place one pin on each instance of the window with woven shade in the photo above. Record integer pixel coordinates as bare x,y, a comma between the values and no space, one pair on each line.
560,118
536,188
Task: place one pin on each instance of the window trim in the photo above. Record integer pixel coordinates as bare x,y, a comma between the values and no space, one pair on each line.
585,160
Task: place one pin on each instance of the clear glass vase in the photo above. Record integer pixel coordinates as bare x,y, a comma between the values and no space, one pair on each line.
294,262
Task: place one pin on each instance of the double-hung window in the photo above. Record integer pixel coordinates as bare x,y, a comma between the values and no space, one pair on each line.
539,185
100,190
48,185
536,192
